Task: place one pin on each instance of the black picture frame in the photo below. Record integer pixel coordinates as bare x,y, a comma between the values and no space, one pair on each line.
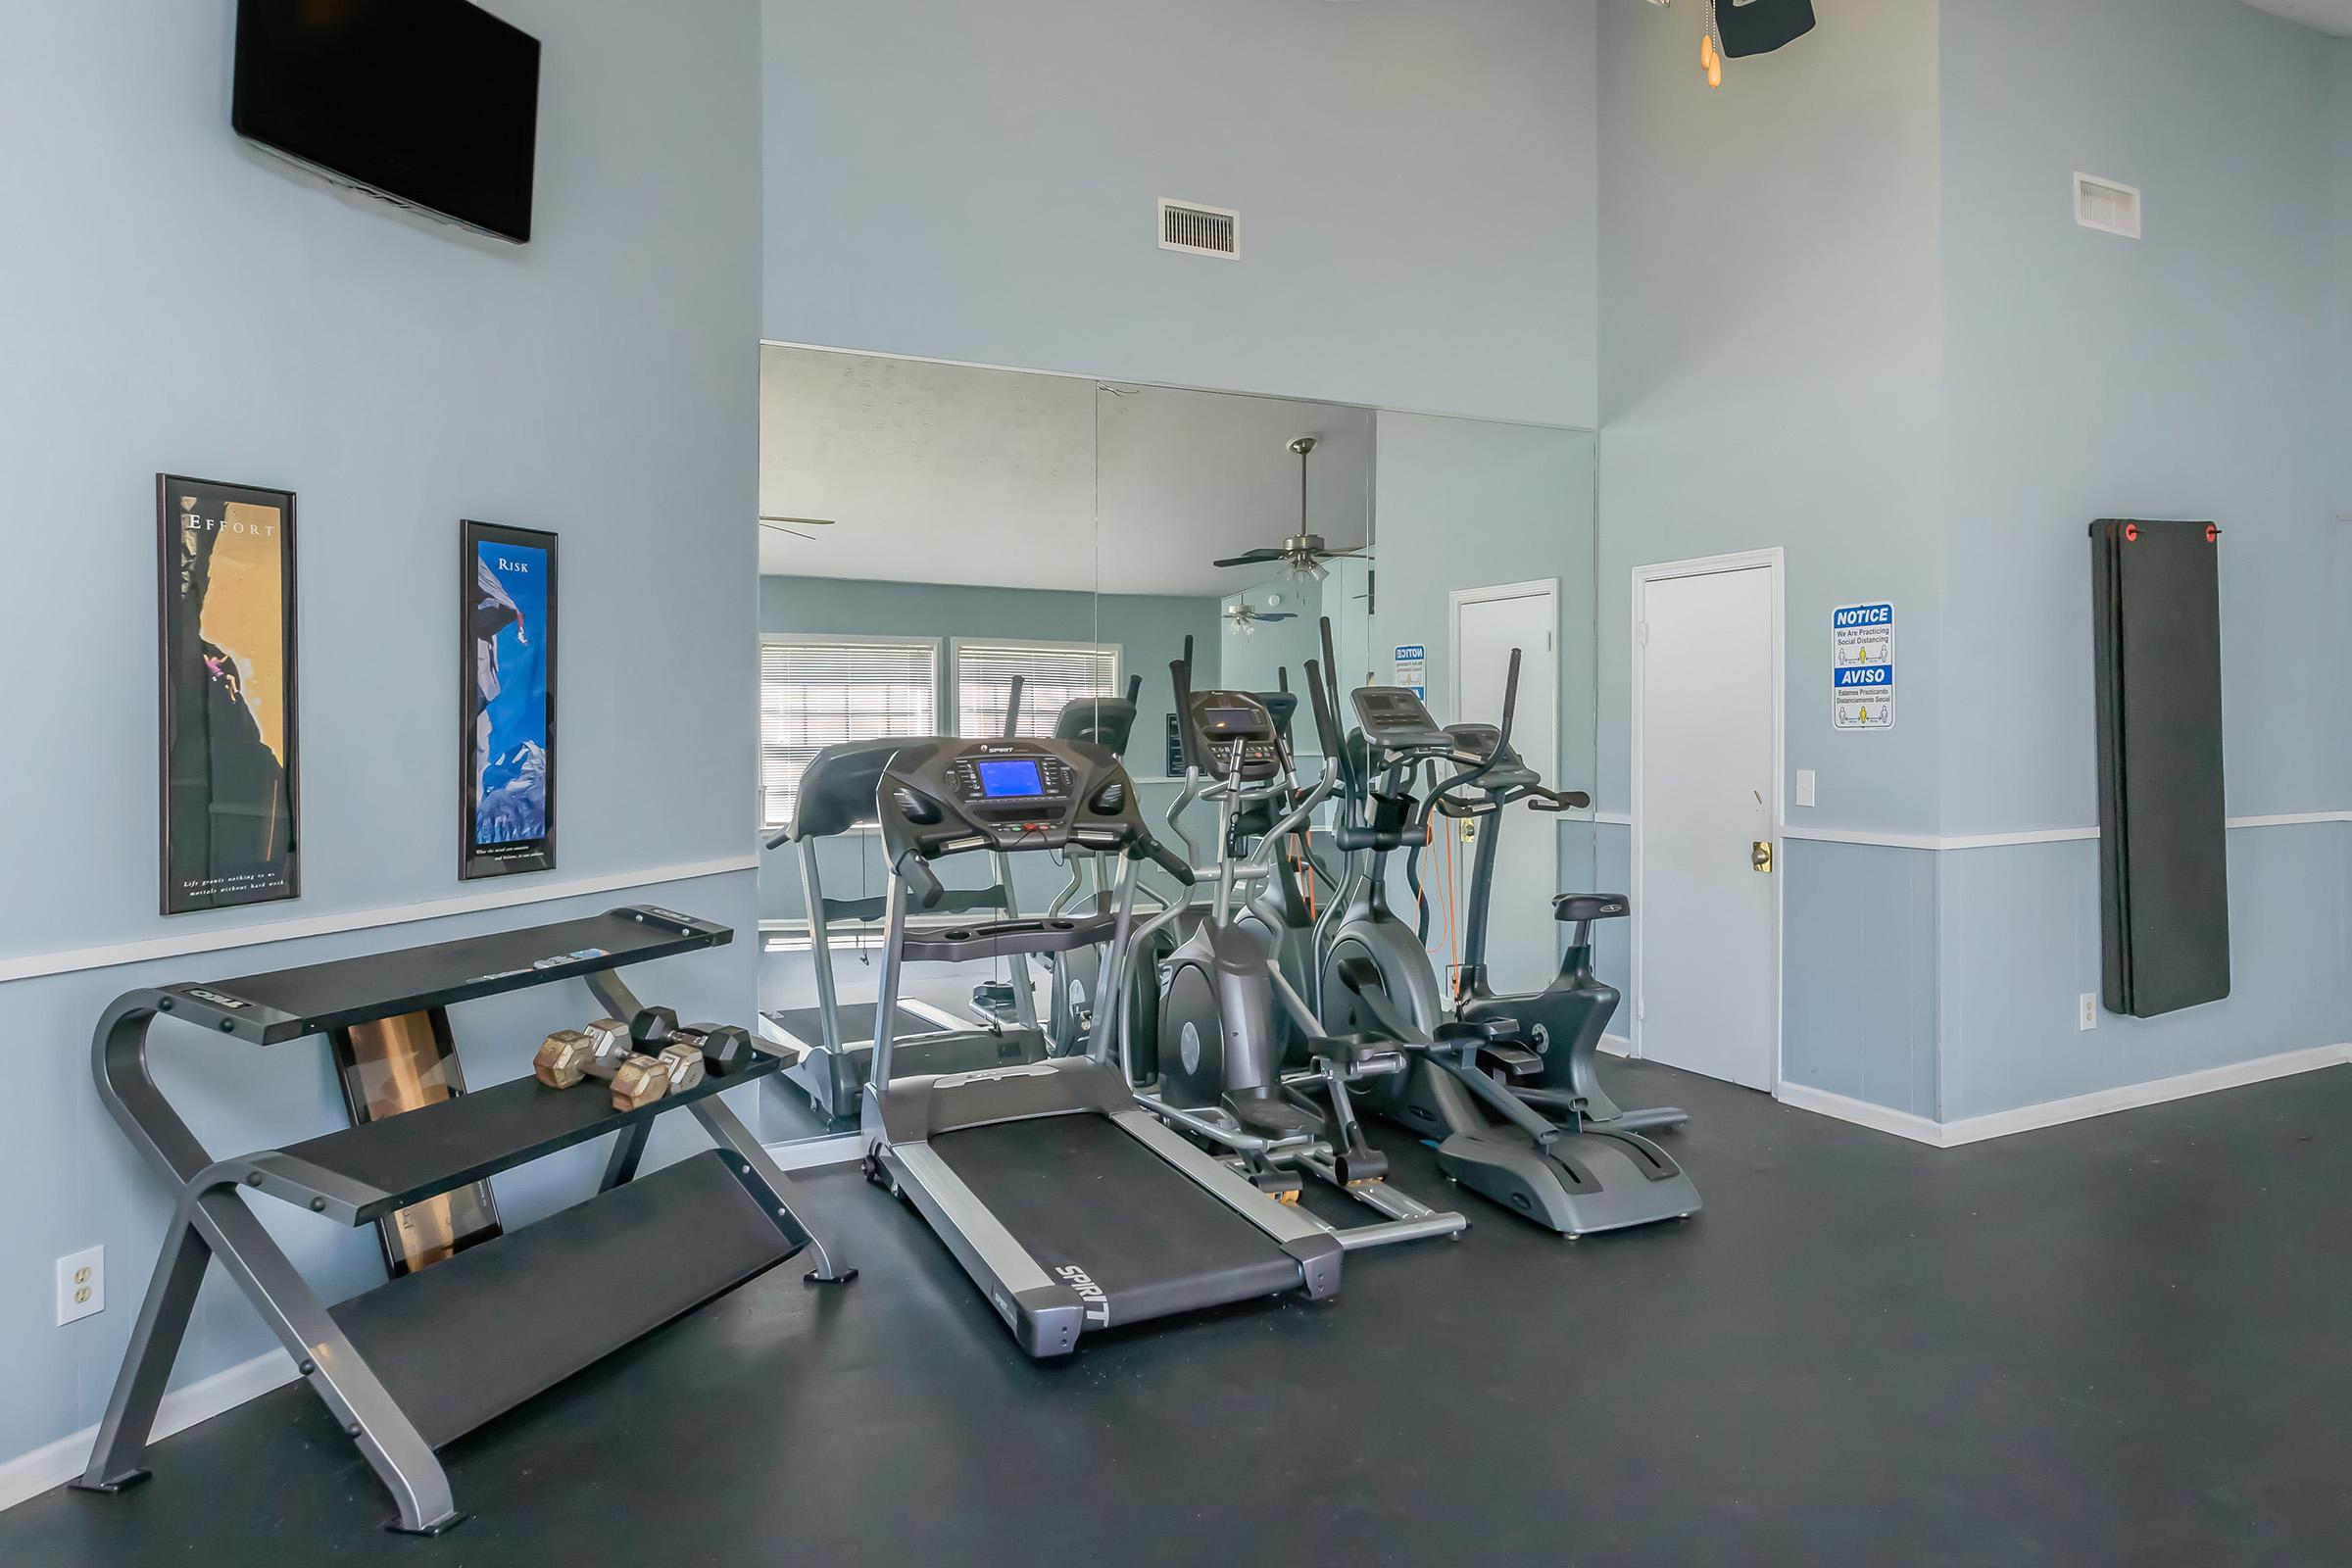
389,1067
500,842
228,772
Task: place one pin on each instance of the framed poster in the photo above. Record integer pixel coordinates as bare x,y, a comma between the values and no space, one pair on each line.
228,806
506,796
391,1065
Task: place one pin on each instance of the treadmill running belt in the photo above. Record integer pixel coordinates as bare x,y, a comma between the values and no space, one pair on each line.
1078,1190
857,1023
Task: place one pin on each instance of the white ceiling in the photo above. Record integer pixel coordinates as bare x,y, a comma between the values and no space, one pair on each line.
2328,16
946,473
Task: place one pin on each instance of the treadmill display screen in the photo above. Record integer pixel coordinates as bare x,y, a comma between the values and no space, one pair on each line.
1009,778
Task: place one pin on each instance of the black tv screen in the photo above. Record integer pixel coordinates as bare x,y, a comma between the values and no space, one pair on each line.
431,102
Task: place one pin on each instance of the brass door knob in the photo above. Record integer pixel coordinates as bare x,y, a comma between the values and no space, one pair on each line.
1759,855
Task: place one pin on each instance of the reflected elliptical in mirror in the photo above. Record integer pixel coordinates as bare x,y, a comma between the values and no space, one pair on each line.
930,534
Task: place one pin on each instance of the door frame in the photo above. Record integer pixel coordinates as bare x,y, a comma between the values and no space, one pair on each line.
1772,560
1548,588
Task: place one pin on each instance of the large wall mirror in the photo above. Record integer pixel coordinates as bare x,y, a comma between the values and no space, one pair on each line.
928,532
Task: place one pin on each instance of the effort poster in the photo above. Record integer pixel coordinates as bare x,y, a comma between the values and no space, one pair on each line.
228,818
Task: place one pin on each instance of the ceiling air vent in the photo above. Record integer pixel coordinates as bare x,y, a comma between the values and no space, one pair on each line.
1202,230
2104,205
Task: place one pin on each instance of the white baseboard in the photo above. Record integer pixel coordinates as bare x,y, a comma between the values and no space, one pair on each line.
28,1475
2131,1097
1617,1046
1862,1113
2058,1112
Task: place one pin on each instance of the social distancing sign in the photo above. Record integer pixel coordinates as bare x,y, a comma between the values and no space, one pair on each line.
1862,666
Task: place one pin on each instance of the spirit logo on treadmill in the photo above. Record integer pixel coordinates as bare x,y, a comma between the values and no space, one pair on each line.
1097,1301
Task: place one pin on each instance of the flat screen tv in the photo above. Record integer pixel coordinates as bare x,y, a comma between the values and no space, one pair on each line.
433,103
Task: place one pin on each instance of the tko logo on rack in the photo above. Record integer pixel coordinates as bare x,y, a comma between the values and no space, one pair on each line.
1097,1301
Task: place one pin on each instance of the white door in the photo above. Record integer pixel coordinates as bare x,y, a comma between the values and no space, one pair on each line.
1707,809
1522,939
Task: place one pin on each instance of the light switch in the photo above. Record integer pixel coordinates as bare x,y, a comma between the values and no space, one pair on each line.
1804,786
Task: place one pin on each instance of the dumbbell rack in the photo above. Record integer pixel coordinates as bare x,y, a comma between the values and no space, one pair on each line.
413,1365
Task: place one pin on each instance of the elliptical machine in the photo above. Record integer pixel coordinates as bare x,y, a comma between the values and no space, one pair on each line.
1219,1074
1571,1175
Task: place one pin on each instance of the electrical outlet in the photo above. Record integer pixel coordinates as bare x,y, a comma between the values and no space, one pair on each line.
1804,786
80,1284
2090,1011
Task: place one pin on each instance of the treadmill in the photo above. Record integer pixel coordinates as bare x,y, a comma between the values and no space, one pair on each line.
834,1040
1072,1207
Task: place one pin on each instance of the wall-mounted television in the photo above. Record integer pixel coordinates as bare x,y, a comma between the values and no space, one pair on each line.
432,103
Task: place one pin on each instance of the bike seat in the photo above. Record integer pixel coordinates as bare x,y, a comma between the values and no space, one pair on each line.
1268,1117
1574,906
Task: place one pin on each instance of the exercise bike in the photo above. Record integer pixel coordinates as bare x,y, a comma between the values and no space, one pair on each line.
1568,1174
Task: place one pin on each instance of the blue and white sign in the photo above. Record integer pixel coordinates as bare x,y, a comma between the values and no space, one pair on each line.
1412,669
1862,666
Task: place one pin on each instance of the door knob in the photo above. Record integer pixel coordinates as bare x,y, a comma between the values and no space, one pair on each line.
1759,855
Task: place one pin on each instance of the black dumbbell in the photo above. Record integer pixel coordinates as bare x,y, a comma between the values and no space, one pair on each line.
726,1048
652,1028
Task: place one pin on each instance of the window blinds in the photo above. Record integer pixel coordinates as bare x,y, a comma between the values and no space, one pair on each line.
817,693
1052,674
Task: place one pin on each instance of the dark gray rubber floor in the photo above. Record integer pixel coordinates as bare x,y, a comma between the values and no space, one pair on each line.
2127,1341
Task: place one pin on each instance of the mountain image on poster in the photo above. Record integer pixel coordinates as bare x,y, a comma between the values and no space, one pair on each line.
509,801
509,786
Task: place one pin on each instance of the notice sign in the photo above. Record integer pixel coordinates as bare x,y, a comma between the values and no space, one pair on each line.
1412,669
1862,665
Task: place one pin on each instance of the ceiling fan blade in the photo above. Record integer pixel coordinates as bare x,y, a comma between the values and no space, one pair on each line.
1277,615
1252,558
806,523
774,527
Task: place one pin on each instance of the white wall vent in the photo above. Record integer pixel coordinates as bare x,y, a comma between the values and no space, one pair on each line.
2107,206
1202,230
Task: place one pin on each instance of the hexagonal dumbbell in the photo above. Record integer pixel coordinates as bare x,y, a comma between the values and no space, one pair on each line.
562,1059
637,1079
682,1059
727,1048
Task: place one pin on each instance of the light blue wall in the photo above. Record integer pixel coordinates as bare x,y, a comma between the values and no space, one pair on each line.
1769,359
978,183
179,301
1469,504
1150,630
2176,377
1770,354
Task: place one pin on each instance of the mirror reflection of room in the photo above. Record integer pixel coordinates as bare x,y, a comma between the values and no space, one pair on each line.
936,537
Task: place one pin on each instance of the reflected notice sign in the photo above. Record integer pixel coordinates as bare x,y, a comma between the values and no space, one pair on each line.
1862,666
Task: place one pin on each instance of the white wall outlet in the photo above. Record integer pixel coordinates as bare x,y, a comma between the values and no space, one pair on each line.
80,1284
2090,1011
1804,786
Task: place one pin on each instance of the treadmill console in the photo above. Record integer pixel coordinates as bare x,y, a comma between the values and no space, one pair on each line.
1223,720
1395,720
1007,781
947,796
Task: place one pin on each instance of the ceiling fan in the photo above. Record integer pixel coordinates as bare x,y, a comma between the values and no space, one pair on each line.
1303,554
784,524
1244,616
